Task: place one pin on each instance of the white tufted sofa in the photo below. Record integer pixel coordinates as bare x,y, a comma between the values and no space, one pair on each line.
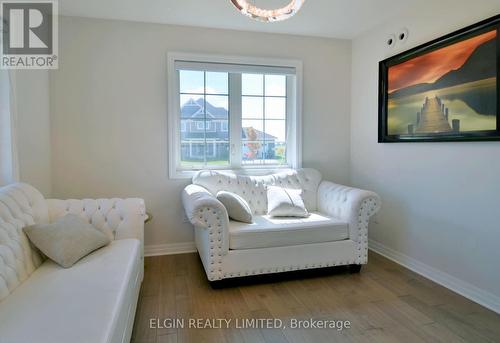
93,301
336,233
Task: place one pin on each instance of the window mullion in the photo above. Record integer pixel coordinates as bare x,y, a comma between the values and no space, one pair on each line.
235,116
205,118
291,123
264,147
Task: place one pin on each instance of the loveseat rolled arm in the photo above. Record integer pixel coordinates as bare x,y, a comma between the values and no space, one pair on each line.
205,212
352,205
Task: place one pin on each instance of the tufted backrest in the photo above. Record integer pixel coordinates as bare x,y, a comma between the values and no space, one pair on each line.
20,205
254,188
124,217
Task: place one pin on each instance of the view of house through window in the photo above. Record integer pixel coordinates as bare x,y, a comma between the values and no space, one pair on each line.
205,119
263,119
204,99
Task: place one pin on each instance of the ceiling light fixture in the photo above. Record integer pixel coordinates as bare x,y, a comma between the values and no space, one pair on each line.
268,15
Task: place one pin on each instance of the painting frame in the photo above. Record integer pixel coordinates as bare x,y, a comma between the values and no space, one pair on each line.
421,50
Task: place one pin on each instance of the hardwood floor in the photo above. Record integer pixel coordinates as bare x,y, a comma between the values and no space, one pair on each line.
384,303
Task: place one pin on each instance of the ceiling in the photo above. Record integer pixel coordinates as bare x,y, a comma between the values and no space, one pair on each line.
324,18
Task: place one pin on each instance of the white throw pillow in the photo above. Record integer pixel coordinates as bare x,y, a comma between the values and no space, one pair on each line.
67,239
285,202
237,207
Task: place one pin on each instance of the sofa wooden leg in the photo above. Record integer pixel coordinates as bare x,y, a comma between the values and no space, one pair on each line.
219,284
354,268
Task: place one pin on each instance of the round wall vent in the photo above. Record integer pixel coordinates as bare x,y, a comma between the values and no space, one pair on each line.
403,35
391,41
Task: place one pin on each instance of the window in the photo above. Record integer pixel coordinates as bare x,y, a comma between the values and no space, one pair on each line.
245,113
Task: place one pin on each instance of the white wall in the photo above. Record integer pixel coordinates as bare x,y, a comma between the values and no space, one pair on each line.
440,200
109,109
33,128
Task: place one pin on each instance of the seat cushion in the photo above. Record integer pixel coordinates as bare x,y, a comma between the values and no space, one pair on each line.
267,231
81,304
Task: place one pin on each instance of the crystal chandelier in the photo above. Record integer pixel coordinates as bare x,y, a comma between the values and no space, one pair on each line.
268,15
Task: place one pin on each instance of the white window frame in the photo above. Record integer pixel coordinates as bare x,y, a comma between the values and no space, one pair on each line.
294,113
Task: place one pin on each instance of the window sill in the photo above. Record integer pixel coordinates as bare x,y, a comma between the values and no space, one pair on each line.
250,171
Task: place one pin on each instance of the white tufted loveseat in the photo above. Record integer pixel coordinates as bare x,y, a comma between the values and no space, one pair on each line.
335,234
93,301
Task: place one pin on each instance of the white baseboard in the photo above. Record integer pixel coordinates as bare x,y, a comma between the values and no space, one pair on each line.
461,287
169,249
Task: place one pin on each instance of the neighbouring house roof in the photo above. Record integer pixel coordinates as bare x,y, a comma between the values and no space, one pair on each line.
193,109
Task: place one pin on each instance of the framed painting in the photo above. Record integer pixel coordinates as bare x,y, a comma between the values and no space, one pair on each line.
445,90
